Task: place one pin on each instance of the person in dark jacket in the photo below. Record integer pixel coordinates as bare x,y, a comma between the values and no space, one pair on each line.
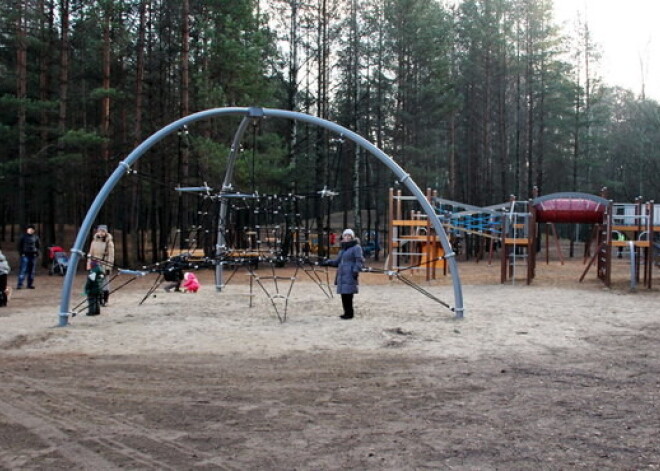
349,263
28,248
94,288
173,273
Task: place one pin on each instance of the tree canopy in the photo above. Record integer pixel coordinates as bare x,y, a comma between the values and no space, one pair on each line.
478,100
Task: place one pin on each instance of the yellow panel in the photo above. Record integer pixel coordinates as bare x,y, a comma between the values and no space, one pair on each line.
625,243
509,241
408,222
420,238
439,252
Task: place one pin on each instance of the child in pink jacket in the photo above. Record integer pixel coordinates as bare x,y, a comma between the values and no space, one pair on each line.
190,283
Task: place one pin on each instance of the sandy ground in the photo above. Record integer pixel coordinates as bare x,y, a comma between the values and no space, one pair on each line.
553,376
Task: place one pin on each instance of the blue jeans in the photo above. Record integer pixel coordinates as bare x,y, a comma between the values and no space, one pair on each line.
28,265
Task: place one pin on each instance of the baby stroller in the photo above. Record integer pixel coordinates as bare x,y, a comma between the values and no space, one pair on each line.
59,262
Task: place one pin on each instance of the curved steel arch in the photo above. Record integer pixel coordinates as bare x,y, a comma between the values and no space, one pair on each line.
255,112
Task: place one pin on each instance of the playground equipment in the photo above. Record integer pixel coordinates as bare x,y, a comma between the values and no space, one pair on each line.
628,227
567,208
514,226
412,243
225,193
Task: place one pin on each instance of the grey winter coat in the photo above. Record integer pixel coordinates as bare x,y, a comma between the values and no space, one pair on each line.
4,265
349,263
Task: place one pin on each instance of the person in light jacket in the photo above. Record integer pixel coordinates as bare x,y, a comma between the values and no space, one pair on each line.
102,250
349,263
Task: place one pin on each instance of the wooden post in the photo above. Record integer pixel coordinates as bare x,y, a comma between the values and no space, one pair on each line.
429,252
557,246
649,258
390,231
639,213
594,237
436,246
505,249
547,243
531,245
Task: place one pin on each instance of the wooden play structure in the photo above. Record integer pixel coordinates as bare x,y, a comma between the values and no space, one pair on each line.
514,227
631,228
413,245
412,242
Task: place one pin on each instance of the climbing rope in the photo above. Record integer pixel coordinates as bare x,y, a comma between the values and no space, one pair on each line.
276,295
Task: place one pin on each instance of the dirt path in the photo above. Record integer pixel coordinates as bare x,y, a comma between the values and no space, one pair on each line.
545,377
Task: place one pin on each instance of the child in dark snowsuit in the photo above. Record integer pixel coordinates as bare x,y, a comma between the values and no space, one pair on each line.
94,288
173,273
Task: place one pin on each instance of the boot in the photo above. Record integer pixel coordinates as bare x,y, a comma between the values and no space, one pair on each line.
106,297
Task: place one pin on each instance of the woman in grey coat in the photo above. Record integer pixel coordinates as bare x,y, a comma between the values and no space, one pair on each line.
4,271
349,263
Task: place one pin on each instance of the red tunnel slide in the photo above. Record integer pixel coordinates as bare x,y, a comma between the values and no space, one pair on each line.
574,208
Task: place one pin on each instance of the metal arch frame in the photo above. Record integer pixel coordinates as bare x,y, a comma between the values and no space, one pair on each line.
254,112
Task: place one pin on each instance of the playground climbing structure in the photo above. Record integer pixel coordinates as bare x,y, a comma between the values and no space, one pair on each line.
227,191
412,243
630,228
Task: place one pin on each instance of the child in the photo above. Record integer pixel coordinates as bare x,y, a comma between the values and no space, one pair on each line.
173,274
94,288
4,271
190,283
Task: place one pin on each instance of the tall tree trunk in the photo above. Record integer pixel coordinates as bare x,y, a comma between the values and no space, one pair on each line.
517,188
379,127
184,222
529,79
46,28
587,97
102,172
292,87
134,224
322,112
541,139
21,95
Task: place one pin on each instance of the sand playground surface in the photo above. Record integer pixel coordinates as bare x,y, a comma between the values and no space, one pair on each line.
557,375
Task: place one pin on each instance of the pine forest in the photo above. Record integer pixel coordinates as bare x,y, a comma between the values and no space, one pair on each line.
477,100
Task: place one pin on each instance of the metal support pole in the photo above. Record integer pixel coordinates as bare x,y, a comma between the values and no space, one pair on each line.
221,241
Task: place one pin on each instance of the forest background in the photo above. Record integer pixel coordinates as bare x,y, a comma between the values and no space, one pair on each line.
477,100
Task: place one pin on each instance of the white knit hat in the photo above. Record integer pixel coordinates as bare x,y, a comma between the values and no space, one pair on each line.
348,232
